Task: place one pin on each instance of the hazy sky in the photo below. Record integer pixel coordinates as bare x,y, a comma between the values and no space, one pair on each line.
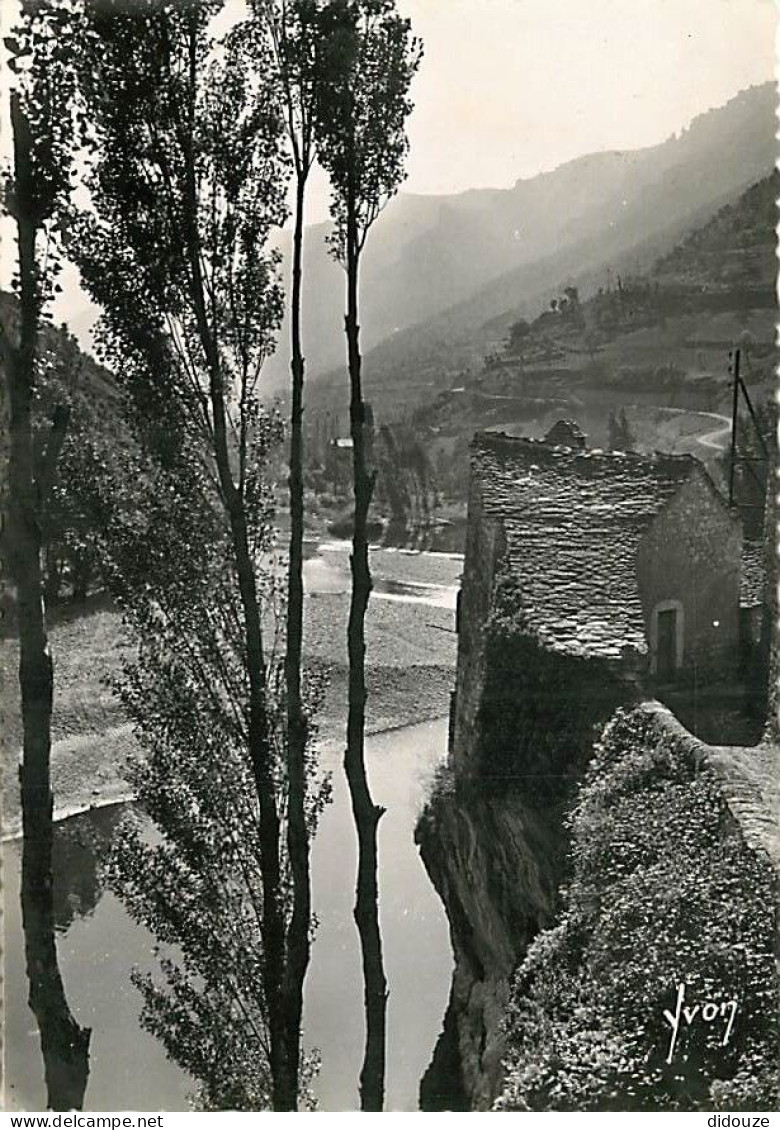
511,87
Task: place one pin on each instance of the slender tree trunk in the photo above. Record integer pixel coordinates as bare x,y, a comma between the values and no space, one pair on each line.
366,813
63,1043
53,579
260,756
297,833
259,744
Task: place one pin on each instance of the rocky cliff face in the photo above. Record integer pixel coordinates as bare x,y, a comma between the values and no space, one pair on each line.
496,863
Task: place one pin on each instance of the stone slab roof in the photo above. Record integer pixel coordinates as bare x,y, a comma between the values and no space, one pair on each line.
573,522
751,588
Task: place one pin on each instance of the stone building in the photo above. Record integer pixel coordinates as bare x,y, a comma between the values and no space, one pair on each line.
630,561
339,452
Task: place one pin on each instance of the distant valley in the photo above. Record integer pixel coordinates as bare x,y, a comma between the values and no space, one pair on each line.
444,275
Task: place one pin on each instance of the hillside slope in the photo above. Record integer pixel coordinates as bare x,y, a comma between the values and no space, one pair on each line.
440,293
651,346
736,248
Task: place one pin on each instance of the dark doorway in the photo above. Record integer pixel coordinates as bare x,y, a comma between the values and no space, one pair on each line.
667,645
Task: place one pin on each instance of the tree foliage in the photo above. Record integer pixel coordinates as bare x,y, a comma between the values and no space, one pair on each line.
291,28
406,481
43,116
187,181
367,59
196,883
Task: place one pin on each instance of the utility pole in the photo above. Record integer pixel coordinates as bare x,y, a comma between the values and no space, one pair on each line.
740,389
734,414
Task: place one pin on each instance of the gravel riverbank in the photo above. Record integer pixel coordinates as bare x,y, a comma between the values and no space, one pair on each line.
410,655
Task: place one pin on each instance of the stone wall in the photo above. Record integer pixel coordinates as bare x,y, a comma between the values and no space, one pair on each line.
749,778
692,555
484,548
539,709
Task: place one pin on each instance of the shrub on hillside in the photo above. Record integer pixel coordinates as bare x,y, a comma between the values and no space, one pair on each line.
664,893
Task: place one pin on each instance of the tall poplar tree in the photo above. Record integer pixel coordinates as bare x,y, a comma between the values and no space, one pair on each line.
187,183
36,190
368,58
291,29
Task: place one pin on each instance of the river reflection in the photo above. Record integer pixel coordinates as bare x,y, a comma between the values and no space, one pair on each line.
80,845
98,945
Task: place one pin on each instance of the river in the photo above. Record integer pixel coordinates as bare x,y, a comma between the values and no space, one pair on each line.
98,944
429,578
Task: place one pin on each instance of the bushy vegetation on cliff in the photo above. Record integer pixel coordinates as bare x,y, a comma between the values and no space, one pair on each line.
664,893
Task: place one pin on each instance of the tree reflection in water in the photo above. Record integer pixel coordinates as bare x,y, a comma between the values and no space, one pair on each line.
81,846
64,1044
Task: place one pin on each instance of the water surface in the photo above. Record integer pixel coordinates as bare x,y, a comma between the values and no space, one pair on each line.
98,945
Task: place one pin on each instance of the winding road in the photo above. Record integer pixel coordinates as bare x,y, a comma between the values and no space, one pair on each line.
718,438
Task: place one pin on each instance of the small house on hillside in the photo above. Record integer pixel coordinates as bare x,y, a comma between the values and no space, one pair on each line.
629,560
339,453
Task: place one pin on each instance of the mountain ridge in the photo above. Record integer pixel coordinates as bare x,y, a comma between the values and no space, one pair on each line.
444,252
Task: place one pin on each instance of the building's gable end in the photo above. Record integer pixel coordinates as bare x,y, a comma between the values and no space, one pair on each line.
688,562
